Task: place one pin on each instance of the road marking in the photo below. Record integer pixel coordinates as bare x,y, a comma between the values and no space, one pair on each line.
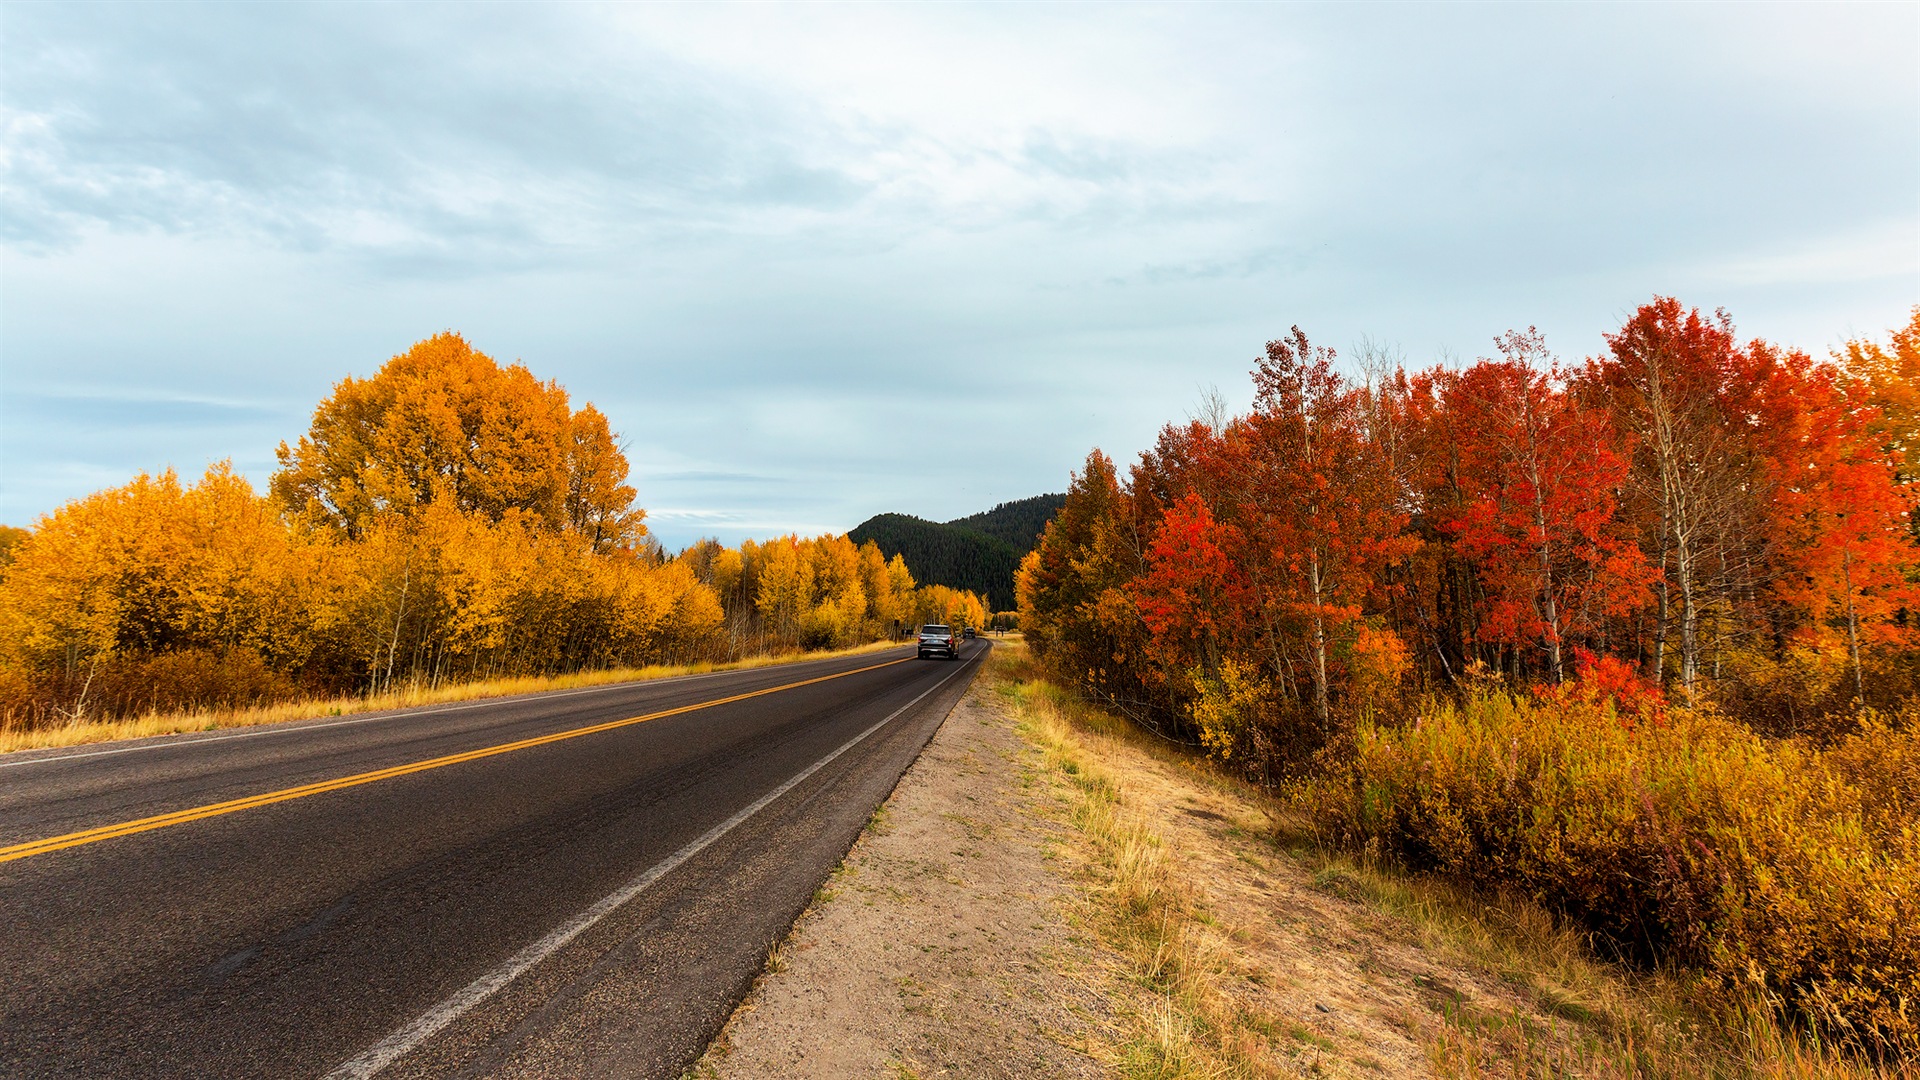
427,1024
174,741
197,813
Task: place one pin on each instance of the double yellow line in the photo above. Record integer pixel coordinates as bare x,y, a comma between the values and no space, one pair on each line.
197,813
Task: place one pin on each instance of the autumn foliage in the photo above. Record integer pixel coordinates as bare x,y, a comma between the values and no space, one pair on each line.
446,519
1619,633
1784,873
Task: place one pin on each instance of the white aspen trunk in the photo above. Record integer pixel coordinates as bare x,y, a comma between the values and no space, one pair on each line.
393,642
1552,605
1679,519
1663,616
80,705
1551,612
1689,616
1319,640
1853,630
1320,708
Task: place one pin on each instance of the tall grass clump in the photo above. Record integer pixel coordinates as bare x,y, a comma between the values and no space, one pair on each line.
1783,873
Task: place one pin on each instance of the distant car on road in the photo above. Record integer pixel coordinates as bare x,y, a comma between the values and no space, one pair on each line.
936,639
967,634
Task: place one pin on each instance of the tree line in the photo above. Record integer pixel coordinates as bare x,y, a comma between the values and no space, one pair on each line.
1019,523
446,519
1728,521
978,553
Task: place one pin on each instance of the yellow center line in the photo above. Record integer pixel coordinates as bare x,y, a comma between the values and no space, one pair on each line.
181,817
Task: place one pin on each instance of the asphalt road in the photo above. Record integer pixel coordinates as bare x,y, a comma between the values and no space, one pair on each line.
592,905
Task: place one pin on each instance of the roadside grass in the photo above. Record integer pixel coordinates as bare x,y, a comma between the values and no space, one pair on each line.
173,723
1182,1017
1184,1025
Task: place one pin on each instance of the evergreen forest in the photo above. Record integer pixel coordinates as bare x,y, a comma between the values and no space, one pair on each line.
977,553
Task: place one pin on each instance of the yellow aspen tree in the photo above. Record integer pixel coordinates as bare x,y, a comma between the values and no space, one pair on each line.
786,586
599,501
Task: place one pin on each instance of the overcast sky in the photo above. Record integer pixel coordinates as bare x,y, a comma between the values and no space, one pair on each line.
821,262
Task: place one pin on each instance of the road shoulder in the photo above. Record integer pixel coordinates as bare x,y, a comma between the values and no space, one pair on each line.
946,942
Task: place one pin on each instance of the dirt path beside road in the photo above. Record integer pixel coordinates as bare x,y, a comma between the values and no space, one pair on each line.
944,945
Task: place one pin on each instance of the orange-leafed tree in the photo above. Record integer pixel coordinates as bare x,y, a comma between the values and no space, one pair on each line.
107,583
443,421
599,501
786,585
10,539
1074,607
1889,376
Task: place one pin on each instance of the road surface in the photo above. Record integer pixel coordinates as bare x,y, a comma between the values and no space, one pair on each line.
579,883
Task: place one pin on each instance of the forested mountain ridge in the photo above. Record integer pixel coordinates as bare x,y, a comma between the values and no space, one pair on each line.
939,553
979,552
1018,523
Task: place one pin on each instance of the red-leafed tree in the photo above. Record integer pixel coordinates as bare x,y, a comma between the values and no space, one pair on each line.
1537,518
1840,517
1185,458
1669,378
1319,510
1194,596
1731,517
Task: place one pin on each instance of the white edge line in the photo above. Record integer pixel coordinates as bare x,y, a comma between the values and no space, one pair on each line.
293,726
427,1024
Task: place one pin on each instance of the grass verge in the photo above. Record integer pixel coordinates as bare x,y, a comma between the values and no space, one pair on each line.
174,723
1179,1020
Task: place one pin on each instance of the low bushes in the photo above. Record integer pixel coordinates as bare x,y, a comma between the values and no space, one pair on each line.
1777,869
134,684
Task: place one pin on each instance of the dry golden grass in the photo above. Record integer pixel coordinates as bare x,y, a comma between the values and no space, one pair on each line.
408,697
1562,1012
1185,1025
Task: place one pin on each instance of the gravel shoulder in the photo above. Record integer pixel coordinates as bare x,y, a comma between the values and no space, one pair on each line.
946,944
